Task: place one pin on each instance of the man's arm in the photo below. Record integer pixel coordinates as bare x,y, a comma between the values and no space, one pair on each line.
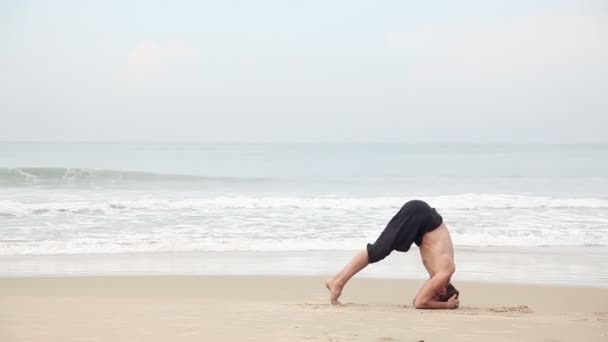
425,298
452,303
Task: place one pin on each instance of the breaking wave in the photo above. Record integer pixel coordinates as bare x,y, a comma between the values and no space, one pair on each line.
102,177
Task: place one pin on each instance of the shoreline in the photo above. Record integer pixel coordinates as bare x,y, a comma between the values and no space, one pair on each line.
321,278
289,308
565,266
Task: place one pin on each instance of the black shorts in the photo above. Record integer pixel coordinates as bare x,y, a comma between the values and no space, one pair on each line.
408,226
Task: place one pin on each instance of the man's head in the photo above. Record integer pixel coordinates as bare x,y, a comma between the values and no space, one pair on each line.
447,293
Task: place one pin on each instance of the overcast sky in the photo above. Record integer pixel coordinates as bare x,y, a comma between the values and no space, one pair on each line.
307,71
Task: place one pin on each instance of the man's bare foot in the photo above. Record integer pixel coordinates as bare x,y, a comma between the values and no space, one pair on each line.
335,290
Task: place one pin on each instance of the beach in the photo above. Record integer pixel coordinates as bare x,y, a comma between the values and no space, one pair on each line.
279,308
216,171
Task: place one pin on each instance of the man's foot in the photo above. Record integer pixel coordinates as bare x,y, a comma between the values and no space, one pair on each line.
335,290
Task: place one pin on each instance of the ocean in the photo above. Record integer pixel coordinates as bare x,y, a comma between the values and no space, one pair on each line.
137,199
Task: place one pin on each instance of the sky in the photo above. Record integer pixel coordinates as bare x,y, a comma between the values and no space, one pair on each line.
304,71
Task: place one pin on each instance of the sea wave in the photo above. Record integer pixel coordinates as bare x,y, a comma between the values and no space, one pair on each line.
12,207
27,176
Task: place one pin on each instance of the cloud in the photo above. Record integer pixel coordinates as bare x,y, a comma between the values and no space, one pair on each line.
528,46
149,53
151,60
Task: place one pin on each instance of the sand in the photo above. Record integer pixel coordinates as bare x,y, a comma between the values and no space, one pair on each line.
257,308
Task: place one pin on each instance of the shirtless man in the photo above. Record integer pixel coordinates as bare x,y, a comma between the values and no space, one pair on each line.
418,223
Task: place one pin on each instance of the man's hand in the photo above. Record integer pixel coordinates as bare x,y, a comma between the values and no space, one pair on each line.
453,302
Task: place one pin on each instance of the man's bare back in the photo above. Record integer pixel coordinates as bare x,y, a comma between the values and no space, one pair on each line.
437,251
437,254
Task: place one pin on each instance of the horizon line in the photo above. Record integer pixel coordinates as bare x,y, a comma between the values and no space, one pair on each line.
293,142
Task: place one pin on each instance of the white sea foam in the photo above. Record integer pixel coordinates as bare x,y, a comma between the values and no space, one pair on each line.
124,222
455,202
125,244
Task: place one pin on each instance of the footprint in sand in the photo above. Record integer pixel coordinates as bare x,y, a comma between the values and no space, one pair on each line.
510,309
601,316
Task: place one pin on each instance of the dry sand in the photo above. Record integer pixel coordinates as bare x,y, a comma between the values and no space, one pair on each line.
289,309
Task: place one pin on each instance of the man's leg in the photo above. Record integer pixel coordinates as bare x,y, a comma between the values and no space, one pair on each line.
336,284
376,251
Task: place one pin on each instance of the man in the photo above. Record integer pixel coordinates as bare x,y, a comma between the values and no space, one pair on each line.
418,223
